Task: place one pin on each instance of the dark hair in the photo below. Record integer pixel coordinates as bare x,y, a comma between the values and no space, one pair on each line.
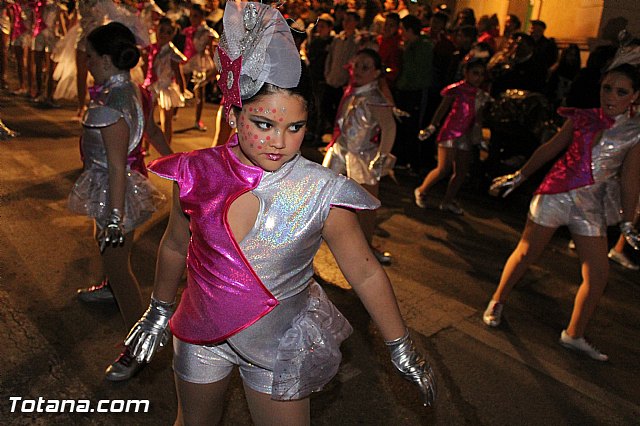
394,17
468,31
516,21
412,22
196,7
354,14
116,41
441,16
629,71
375,56
539,23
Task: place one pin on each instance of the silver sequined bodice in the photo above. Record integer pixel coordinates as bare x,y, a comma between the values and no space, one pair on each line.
357,126
294,204
609,153
162,64
119,98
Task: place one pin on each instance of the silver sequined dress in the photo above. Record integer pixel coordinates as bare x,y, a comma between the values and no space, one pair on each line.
357,145
119,99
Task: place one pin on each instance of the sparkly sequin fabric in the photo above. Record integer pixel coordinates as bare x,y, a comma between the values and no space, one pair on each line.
462,115
118,99
357,144
582,189
160,76
253,293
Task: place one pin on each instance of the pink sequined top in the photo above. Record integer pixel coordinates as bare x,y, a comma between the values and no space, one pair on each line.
231,285
463,110
574,169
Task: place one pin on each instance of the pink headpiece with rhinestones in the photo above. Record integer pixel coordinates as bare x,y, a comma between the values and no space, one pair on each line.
256,47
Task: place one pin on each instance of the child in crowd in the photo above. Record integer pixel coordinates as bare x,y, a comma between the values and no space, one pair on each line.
164,75
461,130
199,47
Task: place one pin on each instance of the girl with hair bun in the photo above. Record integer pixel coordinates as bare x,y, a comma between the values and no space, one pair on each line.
114,189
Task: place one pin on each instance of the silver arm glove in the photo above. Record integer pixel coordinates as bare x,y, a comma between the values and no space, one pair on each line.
413,366
377,164
507,183
630,234
150,333
399,114
426,133
113,233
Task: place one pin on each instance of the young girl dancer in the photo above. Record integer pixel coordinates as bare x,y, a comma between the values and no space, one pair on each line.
199,47
47,28
247,219
164,75
114,189
596,179
461,130
365,131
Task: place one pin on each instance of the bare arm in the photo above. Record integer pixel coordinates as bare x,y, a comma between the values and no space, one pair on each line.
549,150
172,252
387,123
630,187
347,243
443,109
179,75
156,137
116,140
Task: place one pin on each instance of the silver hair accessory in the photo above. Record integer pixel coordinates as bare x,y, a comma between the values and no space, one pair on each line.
628,52
256,48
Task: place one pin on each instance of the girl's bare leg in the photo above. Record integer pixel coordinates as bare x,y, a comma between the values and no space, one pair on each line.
50,82
200,404
367,218
199,102
267,412
461,162
595,271
442,170
166,123
38,60
533,241
117,266
19,52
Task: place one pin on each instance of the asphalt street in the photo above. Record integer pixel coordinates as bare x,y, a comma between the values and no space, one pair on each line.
445,268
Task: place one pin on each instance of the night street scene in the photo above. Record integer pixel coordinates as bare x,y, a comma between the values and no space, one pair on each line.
456,244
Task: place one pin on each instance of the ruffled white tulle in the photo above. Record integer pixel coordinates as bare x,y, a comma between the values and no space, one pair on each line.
90,197
65,72
309,352
167,97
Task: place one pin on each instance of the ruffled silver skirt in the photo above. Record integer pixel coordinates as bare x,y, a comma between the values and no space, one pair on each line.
90,197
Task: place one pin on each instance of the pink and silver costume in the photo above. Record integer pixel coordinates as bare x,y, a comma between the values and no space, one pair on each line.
256,298
196,48
459,129
582,189
22,15
160,76
358,140
119,98
45,31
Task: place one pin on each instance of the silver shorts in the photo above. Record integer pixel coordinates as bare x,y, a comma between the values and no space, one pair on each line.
44,42
555,210
23,40
209,364
463,143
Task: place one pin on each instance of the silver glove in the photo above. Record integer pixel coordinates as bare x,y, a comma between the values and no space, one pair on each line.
151,331
630,234
399,114
376,166
507,183
413,367
425,134
113,233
